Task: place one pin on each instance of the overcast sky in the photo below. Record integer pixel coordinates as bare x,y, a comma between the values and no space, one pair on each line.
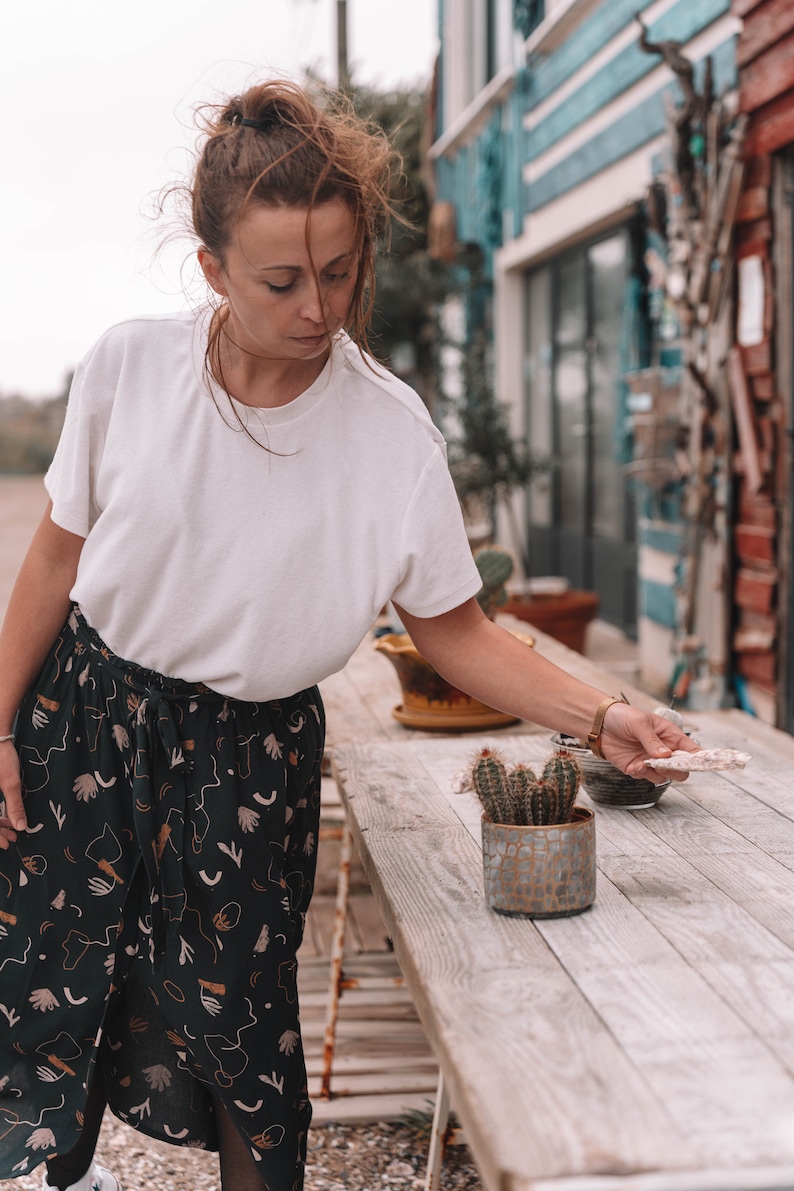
96,108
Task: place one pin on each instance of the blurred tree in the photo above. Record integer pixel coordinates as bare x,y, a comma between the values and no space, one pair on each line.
410,285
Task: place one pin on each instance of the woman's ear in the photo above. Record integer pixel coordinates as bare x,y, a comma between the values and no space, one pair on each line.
213,273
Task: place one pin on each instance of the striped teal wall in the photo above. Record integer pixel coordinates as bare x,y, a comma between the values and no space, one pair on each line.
657,603
628,133
624,70
605,23
484,178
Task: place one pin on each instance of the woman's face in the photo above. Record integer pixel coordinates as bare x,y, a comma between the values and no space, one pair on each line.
287,294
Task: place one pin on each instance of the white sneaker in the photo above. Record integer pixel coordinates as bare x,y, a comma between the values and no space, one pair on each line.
96,1178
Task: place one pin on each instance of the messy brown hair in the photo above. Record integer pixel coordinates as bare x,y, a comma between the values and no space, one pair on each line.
276,145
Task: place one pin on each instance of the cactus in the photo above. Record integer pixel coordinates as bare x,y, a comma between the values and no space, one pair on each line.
489,775
495,567
562,773
517,796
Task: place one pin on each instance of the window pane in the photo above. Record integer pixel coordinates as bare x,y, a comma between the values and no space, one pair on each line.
570,387
608,272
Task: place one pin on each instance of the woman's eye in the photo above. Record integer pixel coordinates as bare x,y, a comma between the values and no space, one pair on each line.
334,277
279,289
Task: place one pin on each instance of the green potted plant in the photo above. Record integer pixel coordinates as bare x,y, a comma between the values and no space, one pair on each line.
489,465
538,846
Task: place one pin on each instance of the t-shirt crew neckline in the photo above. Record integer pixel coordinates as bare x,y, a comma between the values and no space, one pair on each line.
301,405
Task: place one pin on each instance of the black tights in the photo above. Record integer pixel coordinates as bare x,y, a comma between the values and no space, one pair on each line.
238,1169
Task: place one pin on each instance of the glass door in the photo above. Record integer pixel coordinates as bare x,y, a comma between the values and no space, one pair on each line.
584,529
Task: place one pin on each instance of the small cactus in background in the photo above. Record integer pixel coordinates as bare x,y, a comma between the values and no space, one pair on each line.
495,567
516,796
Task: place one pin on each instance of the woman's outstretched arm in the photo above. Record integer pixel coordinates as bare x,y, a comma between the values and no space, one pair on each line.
486,661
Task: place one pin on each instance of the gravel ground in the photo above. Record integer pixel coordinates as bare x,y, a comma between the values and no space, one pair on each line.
341,1158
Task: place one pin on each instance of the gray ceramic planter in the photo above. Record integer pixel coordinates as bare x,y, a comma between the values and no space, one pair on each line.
607,785
540,872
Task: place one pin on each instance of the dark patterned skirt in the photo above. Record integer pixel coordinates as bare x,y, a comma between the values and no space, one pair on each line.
151,915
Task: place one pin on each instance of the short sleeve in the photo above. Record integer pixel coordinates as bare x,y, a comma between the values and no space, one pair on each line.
71,480
438,570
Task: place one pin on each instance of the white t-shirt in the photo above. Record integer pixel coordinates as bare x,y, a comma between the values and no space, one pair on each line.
255,572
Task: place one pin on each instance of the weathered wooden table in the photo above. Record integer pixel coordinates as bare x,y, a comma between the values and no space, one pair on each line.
359,701
645,1045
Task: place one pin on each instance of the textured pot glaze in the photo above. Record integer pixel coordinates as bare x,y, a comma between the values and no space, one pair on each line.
540,872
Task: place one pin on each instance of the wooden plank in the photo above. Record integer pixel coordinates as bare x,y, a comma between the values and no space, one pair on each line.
760,668
680,1012
757,509
754,237
348,716
772,126
759,171
495,962
741,8
754,543
768,76
764,387
755,589
358,1110
762,1178
725,941
745,424
767,25
379,1083
754,205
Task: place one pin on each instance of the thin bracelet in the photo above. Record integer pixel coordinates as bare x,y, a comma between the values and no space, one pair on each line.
594,735
3,739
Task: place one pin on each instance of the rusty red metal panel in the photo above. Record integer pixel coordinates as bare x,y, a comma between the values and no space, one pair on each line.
753,205
767,76
755,544
772,126
760,668
756,509
756,590
740,8
763,387
757,361
767,24
752,239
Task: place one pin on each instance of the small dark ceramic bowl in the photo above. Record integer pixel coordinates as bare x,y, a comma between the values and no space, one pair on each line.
606,784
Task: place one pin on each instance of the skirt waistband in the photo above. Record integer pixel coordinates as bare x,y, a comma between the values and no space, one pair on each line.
139,678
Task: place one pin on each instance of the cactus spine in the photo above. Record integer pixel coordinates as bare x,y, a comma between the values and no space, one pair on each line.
517,796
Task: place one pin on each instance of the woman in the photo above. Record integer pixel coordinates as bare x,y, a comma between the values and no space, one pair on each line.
236,494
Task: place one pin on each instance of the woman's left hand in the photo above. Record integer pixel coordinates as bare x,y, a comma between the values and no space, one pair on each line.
629,735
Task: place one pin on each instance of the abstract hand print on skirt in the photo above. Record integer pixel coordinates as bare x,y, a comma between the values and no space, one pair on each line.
150,917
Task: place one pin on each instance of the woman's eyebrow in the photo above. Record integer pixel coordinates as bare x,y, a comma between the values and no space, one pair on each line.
299,268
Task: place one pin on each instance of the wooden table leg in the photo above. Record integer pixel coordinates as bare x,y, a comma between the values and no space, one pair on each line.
337,954
438,1136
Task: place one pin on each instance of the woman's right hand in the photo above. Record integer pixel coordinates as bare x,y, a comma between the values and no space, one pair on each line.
14,820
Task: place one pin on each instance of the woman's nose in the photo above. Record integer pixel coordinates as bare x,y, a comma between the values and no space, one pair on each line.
313,305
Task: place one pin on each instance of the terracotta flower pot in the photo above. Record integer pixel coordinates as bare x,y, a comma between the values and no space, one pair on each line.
564,615
540,872
428,700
